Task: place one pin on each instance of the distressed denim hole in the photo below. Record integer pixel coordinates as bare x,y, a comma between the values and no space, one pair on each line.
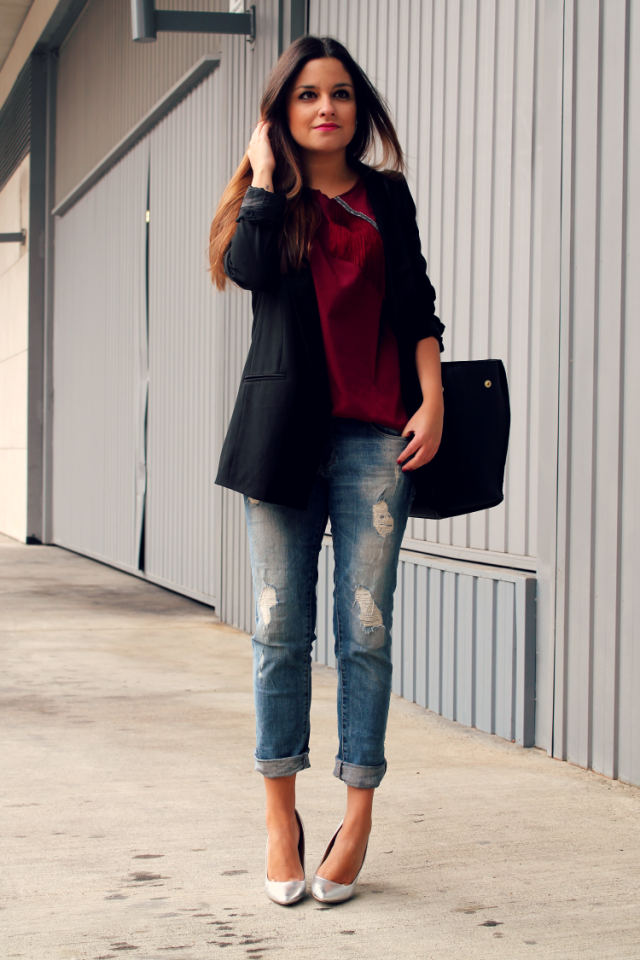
267,600
382,519
370,618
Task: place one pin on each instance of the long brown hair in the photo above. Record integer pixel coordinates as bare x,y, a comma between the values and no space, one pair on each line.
301,215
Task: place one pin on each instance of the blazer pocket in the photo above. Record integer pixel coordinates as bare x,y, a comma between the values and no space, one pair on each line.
265,376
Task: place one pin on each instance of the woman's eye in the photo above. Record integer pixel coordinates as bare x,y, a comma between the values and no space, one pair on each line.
306,94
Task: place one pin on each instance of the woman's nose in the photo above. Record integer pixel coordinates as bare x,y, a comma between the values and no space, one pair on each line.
326,106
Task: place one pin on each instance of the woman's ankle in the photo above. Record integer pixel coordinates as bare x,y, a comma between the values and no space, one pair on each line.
282,822
282,825
281,804
359,814
357,827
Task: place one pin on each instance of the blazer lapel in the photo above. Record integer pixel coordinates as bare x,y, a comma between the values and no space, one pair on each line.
398,278
379,200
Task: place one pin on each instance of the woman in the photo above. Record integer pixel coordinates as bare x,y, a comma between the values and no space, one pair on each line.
340,404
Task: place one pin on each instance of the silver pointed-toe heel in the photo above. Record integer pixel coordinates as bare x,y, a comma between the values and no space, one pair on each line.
286,892
326,890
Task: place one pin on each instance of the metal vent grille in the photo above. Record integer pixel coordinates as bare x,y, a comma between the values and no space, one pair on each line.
15,125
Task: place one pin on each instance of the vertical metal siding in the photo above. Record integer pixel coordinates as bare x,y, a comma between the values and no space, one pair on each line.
597,663
182,440
463,641
99,305
628,727
461,82
106,83
547,309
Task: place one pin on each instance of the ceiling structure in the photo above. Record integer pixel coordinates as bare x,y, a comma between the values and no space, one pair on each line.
12,14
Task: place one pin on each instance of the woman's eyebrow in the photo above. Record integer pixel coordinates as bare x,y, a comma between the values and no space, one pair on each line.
313,86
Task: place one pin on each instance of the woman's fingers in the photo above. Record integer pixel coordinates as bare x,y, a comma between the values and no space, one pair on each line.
425,430
414,444
414,463
261,130
418,461
421,450
259,150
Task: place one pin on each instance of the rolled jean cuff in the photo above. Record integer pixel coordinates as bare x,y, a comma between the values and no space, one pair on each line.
282,768
355,776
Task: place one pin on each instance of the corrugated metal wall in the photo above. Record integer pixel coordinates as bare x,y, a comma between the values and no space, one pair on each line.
520,122
182,434
461,80
100,307
597,662
195,534
463,641
106,83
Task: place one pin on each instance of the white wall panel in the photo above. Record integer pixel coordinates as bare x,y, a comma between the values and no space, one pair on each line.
627,731
100,304
182,434
597,647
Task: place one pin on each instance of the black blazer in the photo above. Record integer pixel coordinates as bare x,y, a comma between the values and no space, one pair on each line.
281,419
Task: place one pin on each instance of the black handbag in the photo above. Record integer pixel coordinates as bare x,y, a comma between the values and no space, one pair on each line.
467,472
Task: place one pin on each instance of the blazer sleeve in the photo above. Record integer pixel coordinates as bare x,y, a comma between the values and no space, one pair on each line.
252,259
424,319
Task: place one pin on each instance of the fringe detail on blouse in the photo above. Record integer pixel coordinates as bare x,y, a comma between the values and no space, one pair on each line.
353,239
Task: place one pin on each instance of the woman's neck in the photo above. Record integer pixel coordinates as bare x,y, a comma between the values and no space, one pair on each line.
328,172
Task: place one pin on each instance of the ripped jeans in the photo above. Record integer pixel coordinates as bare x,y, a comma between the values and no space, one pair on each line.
367,497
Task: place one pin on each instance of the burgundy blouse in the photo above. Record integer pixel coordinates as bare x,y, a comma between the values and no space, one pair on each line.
347,265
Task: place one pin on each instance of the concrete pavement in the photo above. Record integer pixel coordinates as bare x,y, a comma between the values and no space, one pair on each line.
132,819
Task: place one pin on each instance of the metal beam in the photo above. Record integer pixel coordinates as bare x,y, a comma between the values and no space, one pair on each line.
146,21
293,21
36,360
185,21
143,20
49,249
299,19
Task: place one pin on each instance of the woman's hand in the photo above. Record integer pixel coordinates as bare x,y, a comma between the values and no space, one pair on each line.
426,423
426,427
261,157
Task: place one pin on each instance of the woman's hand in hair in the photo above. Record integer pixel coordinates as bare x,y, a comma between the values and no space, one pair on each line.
426,423
261,157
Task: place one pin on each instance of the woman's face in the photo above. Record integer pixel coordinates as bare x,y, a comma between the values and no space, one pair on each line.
322,106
